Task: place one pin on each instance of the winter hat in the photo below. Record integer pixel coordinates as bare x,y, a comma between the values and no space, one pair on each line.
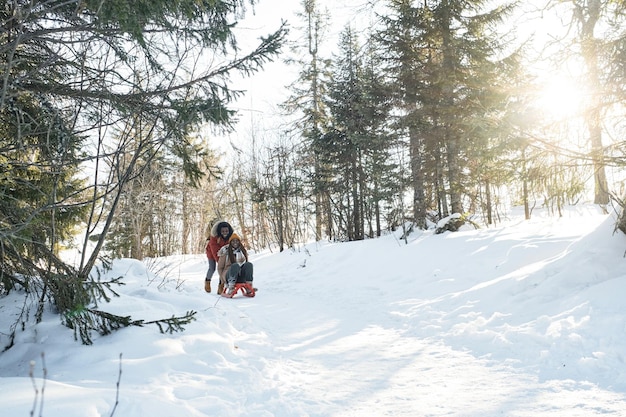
233,237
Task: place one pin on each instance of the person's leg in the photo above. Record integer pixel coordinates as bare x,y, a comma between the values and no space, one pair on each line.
209,275
211,271
246,272
220,287
234,272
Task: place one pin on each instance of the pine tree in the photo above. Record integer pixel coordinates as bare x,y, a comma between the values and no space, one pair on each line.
307,98
356,143
400,39
443,55
40,195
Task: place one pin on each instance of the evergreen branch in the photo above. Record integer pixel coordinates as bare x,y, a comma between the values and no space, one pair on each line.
174,324
85,320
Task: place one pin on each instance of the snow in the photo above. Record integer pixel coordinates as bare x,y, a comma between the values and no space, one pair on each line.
525,318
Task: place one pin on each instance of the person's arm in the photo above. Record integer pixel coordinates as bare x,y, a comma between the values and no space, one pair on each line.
214,247
221,267
207,249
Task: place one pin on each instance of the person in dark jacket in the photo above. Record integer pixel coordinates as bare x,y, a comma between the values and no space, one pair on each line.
218,238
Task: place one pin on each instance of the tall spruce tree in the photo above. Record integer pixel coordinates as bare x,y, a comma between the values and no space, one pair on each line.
356,142
307,98
345,140
41,195
442,53
400,39
383,170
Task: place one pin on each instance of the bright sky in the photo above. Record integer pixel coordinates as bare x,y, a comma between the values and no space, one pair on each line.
259,108
267,89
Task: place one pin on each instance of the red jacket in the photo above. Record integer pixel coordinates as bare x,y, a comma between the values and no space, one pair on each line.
215,241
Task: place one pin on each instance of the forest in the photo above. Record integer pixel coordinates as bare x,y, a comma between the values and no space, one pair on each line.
109,110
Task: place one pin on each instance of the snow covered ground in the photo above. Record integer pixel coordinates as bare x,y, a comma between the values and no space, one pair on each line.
524,319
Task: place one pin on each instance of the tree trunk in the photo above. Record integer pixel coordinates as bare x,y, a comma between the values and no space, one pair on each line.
590,55
488,202
417,178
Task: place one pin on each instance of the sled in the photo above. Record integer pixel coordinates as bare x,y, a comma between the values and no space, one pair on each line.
246,289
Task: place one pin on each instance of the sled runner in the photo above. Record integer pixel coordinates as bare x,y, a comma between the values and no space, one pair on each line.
246,289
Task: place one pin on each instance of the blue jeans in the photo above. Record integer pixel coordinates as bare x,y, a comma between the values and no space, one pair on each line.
211,271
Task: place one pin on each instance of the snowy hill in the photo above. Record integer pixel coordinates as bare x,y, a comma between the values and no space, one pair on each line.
523,319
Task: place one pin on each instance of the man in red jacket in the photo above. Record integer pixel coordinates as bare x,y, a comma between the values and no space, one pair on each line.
220,233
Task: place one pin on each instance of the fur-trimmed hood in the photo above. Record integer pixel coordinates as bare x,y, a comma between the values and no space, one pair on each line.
215,230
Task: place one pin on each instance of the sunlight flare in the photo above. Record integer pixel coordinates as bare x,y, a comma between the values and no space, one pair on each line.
561,98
